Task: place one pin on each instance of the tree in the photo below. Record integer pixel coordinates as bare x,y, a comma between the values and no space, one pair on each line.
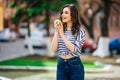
102,49
88,16
25,9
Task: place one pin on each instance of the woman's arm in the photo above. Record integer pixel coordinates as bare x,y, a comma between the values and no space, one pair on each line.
78,43
54,43
69,45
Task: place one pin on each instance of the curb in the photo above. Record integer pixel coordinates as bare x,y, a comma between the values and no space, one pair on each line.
4,78
27,68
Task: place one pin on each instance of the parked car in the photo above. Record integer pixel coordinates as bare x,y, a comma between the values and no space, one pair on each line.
37,40
89,46
42,28
23,30
114,46
7,35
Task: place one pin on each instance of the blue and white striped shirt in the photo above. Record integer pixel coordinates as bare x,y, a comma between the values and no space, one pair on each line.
76,40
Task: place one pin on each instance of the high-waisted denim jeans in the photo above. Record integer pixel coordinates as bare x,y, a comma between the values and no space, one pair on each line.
70,69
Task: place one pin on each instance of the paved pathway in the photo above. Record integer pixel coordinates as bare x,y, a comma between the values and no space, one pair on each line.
10,50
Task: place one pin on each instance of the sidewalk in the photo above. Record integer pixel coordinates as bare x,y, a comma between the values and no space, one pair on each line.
113,75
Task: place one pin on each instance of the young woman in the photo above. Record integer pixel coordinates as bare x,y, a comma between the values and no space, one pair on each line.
67,42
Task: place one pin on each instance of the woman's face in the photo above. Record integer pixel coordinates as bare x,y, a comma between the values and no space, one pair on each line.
66,17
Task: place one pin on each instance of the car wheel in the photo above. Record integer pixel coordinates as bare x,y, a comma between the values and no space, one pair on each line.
87,50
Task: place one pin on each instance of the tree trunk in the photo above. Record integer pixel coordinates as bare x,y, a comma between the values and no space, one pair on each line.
30,46
89,27
103,44
102,48
47,20
48,40
104,21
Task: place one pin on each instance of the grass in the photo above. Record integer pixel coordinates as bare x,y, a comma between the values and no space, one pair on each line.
40,61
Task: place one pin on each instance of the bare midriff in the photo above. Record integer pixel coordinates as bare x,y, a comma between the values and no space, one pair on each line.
66,56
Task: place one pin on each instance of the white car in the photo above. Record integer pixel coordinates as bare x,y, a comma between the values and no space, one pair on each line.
23,30
37,40
7,35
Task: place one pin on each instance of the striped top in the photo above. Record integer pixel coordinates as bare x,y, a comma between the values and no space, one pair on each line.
77,40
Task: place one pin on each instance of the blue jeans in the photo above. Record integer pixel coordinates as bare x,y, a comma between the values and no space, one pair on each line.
70,69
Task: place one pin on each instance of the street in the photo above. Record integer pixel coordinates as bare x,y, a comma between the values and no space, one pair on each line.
14,49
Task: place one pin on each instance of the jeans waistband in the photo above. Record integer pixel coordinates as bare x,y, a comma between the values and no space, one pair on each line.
70,59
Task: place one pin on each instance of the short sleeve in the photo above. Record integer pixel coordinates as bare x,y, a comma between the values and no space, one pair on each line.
80,39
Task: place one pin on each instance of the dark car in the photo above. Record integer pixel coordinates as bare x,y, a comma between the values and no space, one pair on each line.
114,46
89,46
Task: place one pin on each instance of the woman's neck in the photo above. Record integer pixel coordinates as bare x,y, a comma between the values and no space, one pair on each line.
69,26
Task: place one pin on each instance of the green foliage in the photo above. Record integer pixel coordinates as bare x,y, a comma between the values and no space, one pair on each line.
56,5
35,7
20,13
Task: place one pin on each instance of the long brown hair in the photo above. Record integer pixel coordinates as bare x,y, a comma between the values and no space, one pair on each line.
74,17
